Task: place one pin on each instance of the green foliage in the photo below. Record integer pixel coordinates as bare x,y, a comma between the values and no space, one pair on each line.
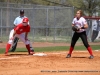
88,6
40,2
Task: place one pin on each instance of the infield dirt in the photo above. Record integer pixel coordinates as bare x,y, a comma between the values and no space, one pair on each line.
54,63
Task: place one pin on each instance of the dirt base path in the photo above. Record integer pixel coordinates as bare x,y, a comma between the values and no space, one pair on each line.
54,63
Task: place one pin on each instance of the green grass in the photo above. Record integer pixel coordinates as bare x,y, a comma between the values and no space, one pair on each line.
50,49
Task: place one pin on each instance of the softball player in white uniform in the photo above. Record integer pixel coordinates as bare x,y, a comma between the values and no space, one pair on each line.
82,25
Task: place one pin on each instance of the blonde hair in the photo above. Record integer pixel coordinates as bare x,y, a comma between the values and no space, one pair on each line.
81,12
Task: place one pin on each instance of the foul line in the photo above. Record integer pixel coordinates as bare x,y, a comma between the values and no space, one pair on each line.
12,57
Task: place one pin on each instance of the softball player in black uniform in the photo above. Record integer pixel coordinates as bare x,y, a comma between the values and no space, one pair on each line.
82,25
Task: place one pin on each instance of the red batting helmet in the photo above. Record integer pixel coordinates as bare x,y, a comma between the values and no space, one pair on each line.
25,20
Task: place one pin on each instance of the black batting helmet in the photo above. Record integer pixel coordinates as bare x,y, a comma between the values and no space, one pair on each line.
21,11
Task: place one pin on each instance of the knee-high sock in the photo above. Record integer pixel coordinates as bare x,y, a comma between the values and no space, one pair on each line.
31,48
90,50
71,49
28,48
7,47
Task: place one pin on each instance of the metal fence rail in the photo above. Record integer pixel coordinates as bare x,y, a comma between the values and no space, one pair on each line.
48,23
52,24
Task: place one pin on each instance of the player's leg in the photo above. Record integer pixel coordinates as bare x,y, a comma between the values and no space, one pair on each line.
31,48
8,45
14,45
14,42
26,42
85,42
7,48
9,42
73,42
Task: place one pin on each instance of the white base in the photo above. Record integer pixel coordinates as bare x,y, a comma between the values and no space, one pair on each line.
39,54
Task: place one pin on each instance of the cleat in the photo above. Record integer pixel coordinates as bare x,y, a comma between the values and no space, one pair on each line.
6,54
1,41
68,56
31,53
32,50
91,57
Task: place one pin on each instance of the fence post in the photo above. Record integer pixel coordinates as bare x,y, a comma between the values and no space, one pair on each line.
1,25
33,28
54,26
46,24
90,34
7,17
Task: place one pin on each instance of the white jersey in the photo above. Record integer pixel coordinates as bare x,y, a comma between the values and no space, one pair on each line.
80,23
19,20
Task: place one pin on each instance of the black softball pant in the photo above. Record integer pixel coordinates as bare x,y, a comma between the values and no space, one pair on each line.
76,36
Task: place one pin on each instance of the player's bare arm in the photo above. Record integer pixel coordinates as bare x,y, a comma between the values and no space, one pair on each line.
26,35
72,25
85,26
14,33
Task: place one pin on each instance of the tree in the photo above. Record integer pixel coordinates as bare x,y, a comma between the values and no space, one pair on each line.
91,6
26,1
58,2
88,6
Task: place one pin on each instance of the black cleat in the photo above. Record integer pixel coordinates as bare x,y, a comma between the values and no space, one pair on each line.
1,41
32,50
68,56
11,50
91,57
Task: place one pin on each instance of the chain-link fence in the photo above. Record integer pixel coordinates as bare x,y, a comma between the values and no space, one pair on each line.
48,23
93,31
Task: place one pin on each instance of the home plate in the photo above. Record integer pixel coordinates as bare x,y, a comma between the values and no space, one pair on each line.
39,54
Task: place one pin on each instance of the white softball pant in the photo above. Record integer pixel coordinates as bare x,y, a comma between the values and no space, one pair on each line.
20,36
